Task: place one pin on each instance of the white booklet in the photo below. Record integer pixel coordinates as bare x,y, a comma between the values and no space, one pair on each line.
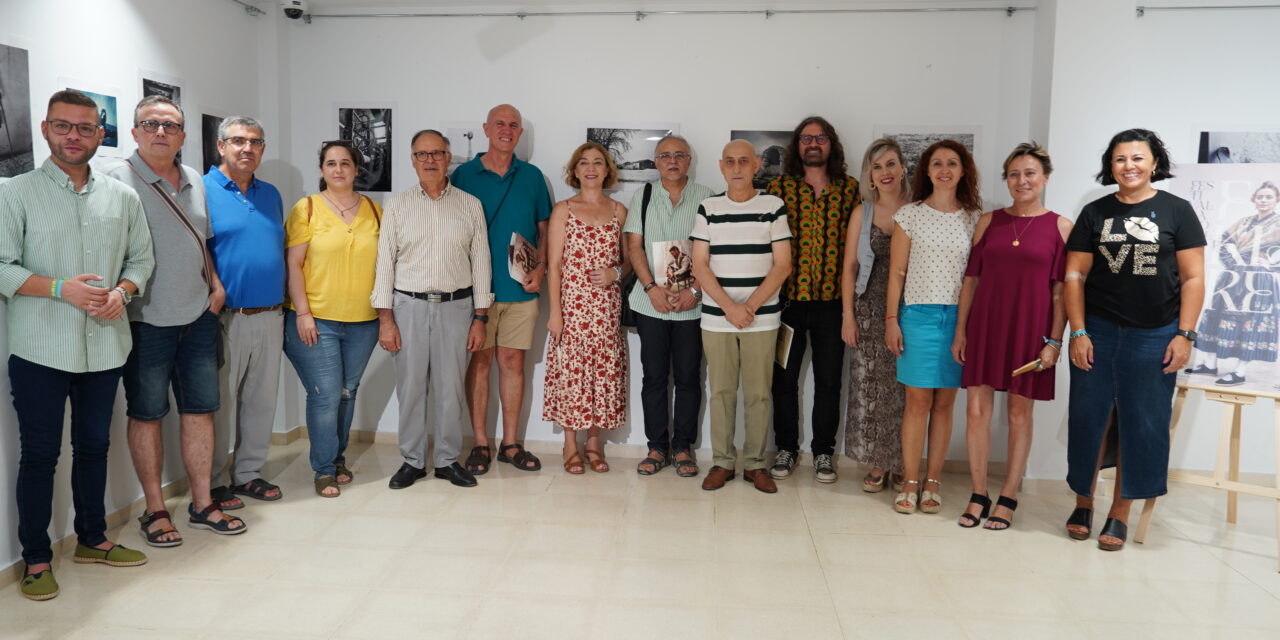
783,350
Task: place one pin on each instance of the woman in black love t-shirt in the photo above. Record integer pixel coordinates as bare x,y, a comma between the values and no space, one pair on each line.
1134,287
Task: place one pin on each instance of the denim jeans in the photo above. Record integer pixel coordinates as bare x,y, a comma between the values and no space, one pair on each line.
39,398
1127,376
330,371
184,357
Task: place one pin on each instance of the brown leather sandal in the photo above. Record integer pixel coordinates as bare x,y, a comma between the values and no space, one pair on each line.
479,460
599,465
574,461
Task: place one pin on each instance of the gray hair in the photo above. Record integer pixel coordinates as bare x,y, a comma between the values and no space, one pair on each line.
244,121
673,136
432,132
154,100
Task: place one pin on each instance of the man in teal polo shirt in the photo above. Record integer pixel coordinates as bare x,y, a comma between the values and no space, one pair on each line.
515,199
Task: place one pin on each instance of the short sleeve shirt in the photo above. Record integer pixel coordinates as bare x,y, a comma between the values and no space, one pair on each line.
513,203
663,223
338,269
940,243
1134,279
248,240
818,224
741,237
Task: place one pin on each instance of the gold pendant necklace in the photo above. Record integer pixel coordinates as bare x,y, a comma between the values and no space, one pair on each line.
1016,234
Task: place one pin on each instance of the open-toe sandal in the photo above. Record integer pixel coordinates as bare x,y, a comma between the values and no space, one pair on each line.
687,468
340,470
324,482
1081,517
259,489
1113,529
573,464
872,484
200,520
656,462
521,459
153,537
968,520
599,465
479,459
996,523
909,497
931,496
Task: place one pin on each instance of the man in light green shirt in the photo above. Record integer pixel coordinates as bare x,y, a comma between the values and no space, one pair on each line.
74,248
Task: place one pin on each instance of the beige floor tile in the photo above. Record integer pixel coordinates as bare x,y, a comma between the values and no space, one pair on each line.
648,512
277,609
347,566
771,515
1117,600
665,545
779,621
880,519
442,571
667,485
99,632
983,552
397,614
588,510
459,537
550,618
552,540
1037,629
883,592
240,559
618,621
176,604
1239,605
921,624
862,552
688,584
1007,596
765,583
556,577
384,501
736,545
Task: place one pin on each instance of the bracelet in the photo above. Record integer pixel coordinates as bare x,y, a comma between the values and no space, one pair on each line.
58,292
617,269
1053,343
890,317
1079,332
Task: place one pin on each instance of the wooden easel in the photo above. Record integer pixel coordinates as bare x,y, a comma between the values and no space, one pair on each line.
1226,469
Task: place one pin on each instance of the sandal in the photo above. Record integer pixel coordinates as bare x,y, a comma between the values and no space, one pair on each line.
968,520
931,496
324,482
257,488
1001,523
226,500
599,465
153,537
1081,517
909,497
898,479
574,461
656,462
1113,529
340,470
687,468
200,520
872,484
479,459
521,459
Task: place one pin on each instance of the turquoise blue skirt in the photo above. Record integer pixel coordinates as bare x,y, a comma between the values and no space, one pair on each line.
927,333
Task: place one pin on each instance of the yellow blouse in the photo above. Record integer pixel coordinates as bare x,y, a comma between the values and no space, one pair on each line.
339,267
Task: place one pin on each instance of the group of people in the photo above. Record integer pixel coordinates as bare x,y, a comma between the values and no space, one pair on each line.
148,272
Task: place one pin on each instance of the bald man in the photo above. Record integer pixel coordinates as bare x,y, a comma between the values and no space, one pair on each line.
741,257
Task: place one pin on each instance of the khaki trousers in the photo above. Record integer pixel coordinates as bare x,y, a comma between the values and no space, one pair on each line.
734,356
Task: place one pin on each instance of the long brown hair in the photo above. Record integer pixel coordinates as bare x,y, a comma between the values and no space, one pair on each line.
793,164
356,159
967,193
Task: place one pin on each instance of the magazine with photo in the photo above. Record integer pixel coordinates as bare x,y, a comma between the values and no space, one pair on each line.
673,264
522,257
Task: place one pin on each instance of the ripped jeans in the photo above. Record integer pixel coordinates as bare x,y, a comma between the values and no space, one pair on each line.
330,371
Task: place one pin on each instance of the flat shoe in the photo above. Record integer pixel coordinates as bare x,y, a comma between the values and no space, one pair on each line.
39,586
598,465
340,470
324,482
117,556
573,464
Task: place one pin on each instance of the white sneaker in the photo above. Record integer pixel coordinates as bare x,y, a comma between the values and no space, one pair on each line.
783,464
824,468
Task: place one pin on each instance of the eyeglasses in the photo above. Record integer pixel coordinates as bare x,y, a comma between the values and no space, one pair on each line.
152,126
821,138
679,155
438,155
237,141
62,128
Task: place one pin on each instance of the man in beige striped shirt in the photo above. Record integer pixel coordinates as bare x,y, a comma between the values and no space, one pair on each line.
432,293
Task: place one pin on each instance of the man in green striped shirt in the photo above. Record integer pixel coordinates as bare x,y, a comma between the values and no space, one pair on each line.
74,248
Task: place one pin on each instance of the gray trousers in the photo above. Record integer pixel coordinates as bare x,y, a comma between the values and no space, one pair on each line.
251,372
432,361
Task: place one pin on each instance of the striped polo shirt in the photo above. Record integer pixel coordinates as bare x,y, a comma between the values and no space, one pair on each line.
741,235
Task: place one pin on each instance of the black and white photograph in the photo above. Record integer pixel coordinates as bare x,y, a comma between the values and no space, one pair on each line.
16,152
369,129
771,146
915,139
465,142
153,87
209,141
632,149
108,117
1231,147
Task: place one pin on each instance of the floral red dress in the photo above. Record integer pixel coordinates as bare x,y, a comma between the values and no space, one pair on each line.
586,379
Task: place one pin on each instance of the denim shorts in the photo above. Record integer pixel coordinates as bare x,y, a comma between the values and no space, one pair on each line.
184,357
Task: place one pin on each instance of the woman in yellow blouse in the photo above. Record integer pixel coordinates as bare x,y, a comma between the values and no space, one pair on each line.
330,327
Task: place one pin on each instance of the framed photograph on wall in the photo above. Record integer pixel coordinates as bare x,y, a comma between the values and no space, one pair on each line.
914,139
1239,147
17,154
106,99
155,83
369,127
632,146
209,141
771,146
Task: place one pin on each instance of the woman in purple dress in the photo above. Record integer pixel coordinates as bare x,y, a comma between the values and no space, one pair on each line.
1011,313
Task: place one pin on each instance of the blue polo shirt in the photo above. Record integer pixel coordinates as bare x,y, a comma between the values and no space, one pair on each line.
248,240
513,203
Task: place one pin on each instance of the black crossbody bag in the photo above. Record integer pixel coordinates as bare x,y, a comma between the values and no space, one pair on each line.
629,280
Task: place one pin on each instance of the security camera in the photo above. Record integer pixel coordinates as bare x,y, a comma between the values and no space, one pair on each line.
294,9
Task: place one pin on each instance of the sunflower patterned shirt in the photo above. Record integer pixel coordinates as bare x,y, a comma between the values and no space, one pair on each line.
818,223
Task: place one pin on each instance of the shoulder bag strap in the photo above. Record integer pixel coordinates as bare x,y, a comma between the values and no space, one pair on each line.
174,208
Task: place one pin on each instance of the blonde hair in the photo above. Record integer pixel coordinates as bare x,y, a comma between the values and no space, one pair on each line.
1032,149
865,185
572,180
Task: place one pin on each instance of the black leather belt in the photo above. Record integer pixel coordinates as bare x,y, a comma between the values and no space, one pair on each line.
438,297
248,311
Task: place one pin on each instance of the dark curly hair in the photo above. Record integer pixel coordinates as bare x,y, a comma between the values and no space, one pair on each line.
793,164
1163,168
967,192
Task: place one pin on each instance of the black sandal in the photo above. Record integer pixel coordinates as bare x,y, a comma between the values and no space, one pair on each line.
521,459
257,488
657,463
479,460
1008,503
686,468
1081,517
969,520
153,537
1115,529
224,497
200,520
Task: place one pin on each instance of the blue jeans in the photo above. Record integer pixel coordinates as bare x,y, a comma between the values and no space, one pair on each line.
330,371
1127,376
184,357
40,397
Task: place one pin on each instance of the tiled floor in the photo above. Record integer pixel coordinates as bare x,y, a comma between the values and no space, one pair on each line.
534,555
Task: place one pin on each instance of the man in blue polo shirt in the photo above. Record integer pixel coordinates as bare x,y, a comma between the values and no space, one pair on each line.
247,217
515,199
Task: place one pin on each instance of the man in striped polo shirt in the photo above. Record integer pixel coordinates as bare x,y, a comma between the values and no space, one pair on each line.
741,256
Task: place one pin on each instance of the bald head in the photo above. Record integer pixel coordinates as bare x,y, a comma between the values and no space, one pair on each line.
737,148
739,164
503,128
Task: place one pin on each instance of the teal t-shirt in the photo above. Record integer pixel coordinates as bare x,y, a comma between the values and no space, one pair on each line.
513,203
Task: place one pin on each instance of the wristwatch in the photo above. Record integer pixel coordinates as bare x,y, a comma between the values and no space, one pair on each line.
1190,335
649,286
697,293
125,298
482,317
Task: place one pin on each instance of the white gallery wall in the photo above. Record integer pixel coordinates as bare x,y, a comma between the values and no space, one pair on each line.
1070,73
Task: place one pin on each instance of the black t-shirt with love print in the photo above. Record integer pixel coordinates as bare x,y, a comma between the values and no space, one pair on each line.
1134,279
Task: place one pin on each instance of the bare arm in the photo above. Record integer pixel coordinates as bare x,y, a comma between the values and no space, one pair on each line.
899,251
554,253
849,280
1191,275
773,280
294,258
967,291
1078,265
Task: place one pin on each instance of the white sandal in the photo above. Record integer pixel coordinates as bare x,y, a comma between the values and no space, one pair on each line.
934,496
909,497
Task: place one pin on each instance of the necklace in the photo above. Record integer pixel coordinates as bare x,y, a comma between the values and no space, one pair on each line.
1016,234
342,211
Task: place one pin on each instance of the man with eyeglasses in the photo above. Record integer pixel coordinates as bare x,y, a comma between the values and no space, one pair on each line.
246,216
820,197
667,319
174,325
431,290
516,201
74,247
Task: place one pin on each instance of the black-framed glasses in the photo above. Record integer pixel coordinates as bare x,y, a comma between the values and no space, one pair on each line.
62,127
151,126
237,141
821,138
679,155
437,155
